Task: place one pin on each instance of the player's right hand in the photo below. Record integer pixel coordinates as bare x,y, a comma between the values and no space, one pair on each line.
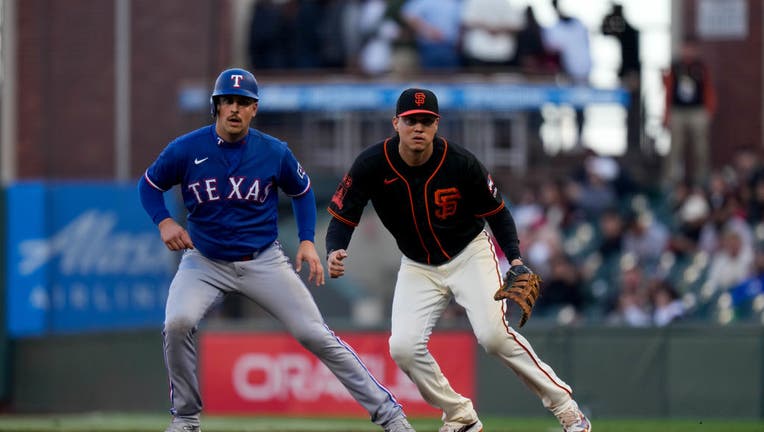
335,264
174,236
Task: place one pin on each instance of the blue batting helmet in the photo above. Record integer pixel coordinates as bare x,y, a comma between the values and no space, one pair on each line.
233,82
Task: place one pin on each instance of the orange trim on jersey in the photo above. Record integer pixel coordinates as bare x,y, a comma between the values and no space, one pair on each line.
411,199
341,219
492,212
426,202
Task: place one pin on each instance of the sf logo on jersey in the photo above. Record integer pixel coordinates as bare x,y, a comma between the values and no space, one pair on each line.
446,200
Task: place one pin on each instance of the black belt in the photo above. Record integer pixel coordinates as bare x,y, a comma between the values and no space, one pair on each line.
253,255
249,257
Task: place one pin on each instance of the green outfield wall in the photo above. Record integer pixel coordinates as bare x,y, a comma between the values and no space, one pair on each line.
679,371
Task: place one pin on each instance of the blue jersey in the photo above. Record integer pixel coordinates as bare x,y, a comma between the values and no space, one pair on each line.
229,190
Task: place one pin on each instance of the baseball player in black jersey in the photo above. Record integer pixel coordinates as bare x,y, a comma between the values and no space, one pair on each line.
435,197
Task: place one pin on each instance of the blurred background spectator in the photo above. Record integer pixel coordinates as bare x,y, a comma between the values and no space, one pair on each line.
629,71
690,106
489,38
437,28
569,38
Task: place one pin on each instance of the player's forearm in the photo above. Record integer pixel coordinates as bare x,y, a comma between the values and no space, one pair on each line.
338,235
304,208
152,201
503,228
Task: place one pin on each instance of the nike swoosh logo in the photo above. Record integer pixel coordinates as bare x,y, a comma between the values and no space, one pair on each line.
389,181
198,161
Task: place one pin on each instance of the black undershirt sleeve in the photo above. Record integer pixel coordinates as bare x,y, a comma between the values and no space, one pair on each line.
338,235
504,230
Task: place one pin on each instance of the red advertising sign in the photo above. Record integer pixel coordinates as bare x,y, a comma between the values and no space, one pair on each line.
271,373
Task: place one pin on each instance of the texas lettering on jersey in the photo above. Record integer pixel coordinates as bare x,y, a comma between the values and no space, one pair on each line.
207,190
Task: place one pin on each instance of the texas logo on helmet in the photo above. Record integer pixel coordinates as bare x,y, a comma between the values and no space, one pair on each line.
236,79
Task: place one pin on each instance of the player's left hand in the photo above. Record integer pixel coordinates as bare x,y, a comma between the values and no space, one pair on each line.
522,286
307,252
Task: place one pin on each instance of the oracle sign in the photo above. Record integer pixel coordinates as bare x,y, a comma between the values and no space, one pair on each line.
271,373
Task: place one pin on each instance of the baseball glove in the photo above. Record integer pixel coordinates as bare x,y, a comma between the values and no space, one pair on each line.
522,286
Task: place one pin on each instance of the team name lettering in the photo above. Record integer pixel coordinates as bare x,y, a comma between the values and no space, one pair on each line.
207,190
235,184
212,188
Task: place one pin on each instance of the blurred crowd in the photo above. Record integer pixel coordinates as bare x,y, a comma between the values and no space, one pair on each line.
612,250
687,247
378,37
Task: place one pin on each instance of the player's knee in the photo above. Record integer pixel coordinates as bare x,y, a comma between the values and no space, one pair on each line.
179,326
314,339
491,341
402,350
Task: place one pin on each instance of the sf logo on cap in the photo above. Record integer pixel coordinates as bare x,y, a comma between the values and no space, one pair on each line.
419,98
236,79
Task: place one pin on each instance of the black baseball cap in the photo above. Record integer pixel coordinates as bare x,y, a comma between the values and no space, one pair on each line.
417,101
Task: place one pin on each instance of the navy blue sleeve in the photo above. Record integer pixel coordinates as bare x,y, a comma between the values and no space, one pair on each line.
504,229
304,208
152,200
338,235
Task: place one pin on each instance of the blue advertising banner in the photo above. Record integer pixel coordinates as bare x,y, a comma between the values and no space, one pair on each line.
463,96
83,257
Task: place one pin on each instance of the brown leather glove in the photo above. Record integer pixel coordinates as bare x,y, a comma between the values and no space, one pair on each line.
523,287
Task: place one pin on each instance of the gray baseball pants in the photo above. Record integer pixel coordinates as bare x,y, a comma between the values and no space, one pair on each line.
270,281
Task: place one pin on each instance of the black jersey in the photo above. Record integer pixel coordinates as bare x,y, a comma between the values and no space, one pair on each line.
433,210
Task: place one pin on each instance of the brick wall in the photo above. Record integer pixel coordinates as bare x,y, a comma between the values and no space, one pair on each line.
66,80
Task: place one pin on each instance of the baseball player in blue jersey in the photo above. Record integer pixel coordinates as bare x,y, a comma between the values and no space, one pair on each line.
228,175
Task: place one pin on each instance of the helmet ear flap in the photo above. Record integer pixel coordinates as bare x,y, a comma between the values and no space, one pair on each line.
213,106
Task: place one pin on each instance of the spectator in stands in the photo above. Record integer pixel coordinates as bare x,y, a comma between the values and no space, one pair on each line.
284,34
727,215
542,242
332,41
559,207
569,37
690,216
632,306
611,234
378,31
489,39
747,165
562,288
436,25
755,209
731,264
744,293
690,105
597,190
531,56
645,237
630,71
666,304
